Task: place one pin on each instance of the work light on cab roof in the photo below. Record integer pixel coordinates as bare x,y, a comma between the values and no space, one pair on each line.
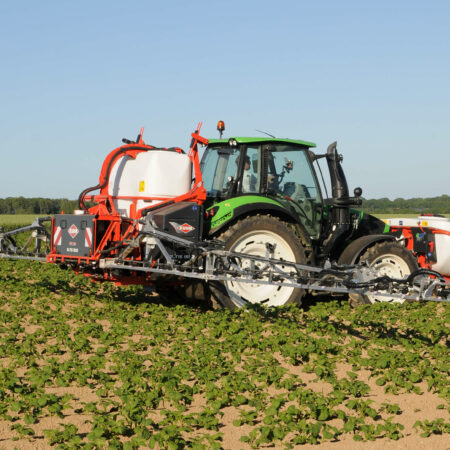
221,127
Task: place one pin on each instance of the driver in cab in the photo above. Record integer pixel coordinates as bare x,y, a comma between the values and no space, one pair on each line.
248,179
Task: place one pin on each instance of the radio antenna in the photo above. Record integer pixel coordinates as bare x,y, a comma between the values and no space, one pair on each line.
268,134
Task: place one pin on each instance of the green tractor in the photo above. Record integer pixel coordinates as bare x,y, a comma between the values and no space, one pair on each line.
264,199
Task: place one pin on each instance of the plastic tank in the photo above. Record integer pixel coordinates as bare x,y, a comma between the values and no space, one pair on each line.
162,174
442,240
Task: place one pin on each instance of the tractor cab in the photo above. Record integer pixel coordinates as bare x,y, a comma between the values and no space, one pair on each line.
280,169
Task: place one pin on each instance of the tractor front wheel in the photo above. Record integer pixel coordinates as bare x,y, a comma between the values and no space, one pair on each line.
390,259
251,236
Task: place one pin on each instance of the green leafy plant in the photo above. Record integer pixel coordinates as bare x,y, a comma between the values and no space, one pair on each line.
162,374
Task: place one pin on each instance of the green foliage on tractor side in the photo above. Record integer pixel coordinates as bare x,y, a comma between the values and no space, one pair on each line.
142,371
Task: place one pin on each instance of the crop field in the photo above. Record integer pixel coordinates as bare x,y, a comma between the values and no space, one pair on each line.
86,365
17,220
95,366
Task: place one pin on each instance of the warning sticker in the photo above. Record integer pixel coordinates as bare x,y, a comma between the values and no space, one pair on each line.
57,236
88,237
141,186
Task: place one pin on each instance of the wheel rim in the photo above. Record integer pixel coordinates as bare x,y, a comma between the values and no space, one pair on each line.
254,243
392,266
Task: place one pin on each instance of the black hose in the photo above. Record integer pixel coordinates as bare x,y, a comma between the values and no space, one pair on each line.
419,272
388,280
119,244
108,170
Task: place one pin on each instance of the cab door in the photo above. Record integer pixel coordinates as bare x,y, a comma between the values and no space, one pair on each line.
290,176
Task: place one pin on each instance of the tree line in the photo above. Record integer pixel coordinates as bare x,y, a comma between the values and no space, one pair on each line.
36,205
39,205
435,205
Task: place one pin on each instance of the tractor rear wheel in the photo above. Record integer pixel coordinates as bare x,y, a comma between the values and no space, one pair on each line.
388,258
251,236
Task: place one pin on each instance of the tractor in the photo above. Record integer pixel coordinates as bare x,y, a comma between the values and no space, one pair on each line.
265,193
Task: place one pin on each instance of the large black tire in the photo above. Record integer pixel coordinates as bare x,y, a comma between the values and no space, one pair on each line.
391,259
250,236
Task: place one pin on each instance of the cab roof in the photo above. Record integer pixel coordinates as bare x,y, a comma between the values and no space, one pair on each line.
257,140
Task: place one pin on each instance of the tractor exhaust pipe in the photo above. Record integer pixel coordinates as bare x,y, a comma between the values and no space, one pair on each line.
340,201
339,187
338,180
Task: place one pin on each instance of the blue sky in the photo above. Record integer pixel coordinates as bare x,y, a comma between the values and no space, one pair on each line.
76,77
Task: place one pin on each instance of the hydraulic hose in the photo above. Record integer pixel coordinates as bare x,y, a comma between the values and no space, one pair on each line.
419,272
119,244
119,152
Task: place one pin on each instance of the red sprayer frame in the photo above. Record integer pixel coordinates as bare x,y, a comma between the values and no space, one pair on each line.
116,228
407,233
105,202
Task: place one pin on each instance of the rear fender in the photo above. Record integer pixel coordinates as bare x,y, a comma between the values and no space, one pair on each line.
222,213
229,212
353,251
248,210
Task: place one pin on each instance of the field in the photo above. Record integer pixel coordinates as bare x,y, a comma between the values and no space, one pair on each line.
86,365
95,365
12,220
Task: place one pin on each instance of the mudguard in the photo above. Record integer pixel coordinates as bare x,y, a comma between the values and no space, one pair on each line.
231,210
353,251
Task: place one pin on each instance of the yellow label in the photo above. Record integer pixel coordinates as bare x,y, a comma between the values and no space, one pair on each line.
141,186
424,223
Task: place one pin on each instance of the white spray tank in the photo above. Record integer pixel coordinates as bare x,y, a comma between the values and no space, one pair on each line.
150,178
